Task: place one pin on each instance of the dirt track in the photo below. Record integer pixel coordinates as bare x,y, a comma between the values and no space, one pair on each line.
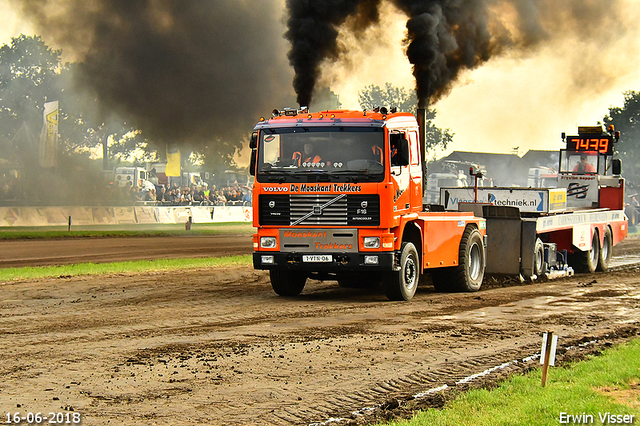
218,347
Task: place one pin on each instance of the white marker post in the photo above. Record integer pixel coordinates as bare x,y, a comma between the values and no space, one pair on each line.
548,354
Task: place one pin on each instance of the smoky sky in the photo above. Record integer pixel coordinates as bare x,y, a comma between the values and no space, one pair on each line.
443,37
183,71
194,71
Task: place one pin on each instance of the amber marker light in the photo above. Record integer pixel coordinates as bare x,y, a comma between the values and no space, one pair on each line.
387,241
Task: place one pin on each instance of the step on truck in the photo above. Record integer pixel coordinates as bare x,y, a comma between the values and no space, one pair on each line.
544,232
338,196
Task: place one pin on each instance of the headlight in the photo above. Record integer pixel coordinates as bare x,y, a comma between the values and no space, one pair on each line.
372,242
268,242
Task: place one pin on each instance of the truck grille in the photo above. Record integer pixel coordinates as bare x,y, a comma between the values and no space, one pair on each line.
308,210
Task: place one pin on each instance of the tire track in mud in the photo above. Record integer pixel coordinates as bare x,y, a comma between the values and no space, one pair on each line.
398,398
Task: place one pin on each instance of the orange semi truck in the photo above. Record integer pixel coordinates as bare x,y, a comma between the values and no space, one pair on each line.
338,195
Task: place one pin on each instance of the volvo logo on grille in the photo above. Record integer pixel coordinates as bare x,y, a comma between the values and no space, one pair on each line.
364,204
272,204
317,210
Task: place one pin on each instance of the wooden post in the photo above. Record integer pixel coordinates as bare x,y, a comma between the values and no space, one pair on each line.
547,356
69,228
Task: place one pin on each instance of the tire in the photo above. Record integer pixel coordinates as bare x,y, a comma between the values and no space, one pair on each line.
402,284
287,283
441,278
606,251
586,262
539,266
469,273
361,280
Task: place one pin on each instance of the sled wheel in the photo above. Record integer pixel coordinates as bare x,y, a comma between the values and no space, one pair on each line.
605,251
538,259
587,261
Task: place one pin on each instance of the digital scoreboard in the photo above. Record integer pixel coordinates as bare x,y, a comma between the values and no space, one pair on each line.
600,143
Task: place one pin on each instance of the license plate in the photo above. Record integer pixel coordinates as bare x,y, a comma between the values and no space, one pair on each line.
317,258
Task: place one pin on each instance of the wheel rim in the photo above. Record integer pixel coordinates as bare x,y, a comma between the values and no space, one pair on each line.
410,273
475,262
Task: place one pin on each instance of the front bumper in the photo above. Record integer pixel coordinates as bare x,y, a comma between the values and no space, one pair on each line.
341,262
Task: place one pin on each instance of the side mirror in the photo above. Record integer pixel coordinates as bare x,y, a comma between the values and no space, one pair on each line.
253,142
252,164
616,166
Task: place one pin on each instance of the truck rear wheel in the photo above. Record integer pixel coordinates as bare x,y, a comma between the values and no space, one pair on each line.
605,251
402,284
469,273
587,261
287,283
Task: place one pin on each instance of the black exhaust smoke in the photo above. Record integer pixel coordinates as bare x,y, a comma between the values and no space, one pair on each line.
183,71
201,70
313,33
443,37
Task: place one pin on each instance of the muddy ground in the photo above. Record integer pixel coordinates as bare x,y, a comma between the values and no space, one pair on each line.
218,347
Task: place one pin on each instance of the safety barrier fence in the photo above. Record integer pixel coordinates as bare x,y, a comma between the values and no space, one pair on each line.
62,216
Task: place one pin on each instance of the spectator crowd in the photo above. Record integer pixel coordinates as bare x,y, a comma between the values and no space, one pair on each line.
191,195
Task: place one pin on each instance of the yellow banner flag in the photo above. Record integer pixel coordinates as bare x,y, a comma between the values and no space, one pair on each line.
49,136
173,162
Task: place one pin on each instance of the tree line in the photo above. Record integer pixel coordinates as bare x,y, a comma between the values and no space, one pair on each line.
32,73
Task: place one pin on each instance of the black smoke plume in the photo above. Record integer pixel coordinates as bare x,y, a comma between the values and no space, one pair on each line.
185,71
443,37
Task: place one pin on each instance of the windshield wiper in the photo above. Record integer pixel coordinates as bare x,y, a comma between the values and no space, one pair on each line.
278,175
361,173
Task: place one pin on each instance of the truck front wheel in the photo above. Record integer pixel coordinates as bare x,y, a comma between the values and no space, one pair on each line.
402,284
287,283
471,264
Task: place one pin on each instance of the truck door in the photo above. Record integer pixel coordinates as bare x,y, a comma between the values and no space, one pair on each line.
400,176
415,170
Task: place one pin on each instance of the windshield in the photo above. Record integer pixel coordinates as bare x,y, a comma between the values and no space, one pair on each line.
579,162
312,154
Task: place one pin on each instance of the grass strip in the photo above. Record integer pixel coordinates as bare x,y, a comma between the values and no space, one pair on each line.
14,274
106,231
599,386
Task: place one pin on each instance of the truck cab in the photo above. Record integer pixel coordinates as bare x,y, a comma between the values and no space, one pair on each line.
338,195
131,176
